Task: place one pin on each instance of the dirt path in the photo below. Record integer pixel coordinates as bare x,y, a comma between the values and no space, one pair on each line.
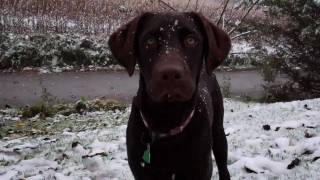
20,89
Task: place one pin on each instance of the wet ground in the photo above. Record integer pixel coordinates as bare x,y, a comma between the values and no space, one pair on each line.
26,88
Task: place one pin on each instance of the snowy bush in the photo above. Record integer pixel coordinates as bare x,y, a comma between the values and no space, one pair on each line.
19,51
292,29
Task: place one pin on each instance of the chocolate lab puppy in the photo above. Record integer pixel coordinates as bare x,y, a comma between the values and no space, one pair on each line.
176,119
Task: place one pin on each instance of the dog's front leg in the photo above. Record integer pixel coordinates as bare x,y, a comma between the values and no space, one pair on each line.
134,160
197,169
135,147
220,151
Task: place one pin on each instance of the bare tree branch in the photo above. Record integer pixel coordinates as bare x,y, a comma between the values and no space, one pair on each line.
216,9
242,34
223,11
197,1
187,6
231,15
243,53
223,21
167,5
201,6
243,17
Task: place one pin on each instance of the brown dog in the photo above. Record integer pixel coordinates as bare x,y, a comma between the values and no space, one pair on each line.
177,115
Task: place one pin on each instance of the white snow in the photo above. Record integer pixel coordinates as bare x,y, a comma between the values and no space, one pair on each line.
35,164
241,47
8,175
254,153
282,142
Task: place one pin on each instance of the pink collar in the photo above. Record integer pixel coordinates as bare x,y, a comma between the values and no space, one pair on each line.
171,132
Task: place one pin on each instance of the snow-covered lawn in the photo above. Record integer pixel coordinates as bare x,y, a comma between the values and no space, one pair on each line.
266,141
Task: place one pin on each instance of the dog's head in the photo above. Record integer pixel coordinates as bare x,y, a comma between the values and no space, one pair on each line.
169,49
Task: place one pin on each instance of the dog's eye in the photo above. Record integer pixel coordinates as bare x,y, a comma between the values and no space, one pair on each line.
151,42
190,41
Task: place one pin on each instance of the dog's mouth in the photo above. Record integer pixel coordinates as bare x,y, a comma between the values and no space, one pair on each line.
173,97
163,93
170,98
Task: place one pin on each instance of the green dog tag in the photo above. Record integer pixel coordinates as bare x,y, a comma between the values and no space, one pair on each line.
146,155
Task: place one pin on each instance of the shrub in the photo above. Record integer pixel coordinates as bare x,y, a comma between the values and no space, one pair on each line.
19,51
292,30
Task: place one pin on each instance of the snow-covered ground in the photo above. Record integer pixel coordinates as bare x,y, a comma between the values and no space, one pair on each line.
266,141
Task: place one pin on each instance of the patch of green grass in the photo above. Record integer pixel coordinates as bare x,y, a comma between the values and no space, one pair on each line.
256,99
106,105
4,163
42,119
41,108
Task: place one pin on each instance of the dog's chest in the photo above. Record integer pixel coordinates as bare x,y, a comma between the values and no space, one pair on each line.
175,152
205,101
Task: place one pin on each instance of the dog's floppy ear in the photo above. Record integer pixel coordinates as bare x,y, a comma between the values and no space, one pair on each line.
218,42
122,44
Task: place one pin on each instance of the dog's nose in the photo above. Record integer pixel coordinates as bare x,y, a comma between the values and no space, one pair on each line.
171,73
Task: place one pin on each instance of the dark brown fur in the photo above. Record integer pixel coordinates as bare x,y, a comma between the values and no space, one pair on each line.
176,54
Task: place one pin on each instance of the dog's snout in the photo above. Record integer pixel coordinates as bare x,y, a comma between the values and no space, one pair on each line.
170,74
171,81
